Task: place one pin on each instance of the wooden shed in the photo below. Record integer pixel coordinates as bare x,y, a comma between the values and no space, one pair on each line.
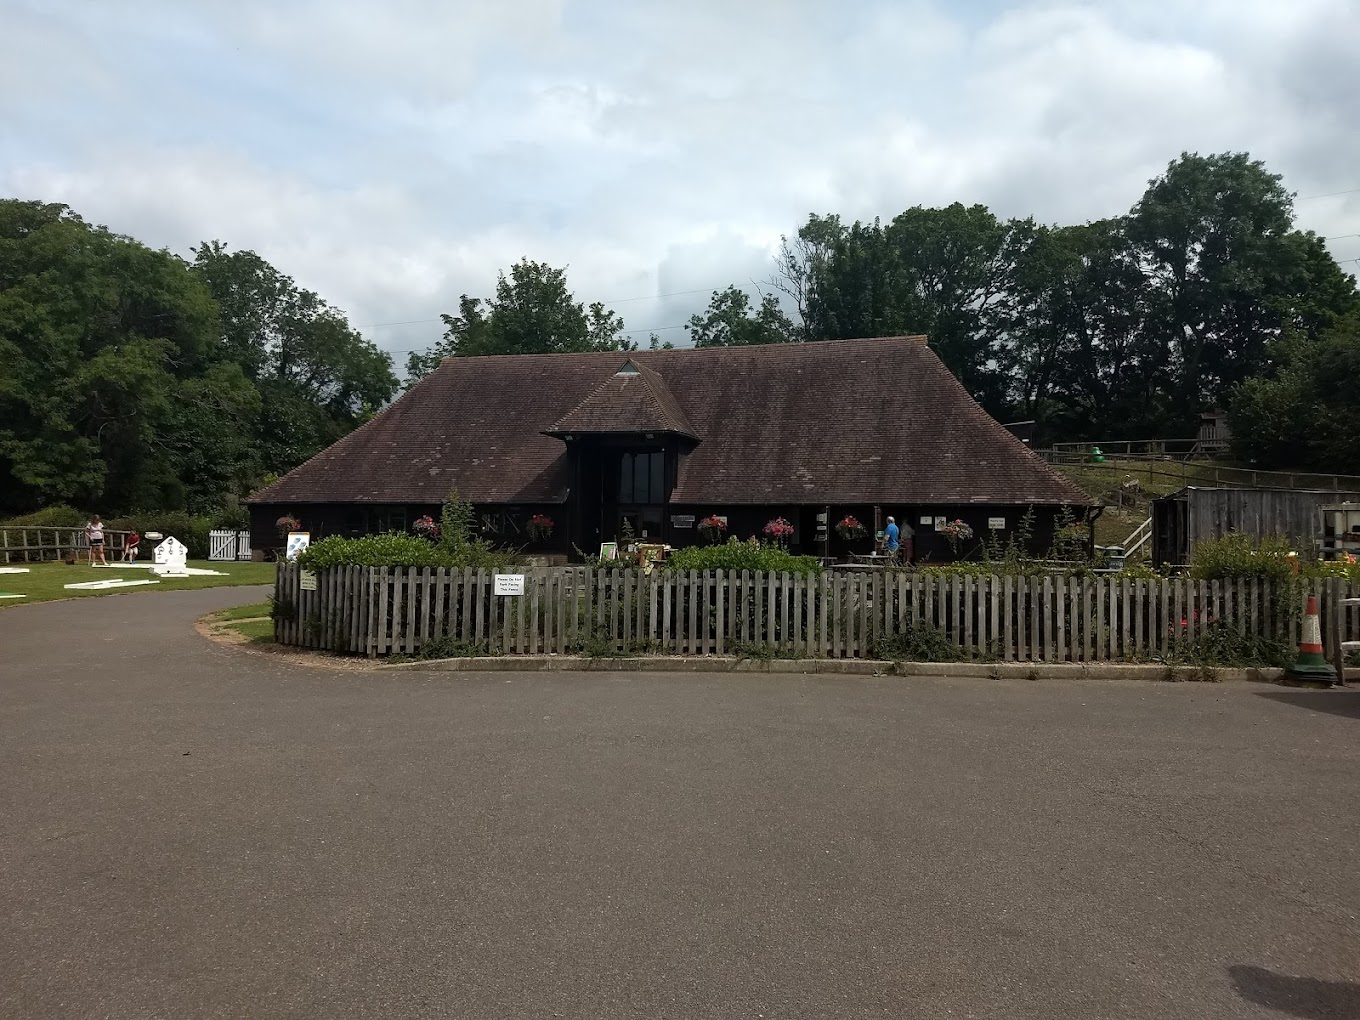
1185,518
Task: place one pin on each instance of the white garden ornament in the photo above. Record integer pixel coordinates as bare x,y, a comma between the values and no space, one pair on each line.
171,556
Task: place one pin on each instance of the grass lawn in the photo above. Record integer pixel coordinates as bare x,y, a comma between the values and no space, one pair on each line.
251,623
46,581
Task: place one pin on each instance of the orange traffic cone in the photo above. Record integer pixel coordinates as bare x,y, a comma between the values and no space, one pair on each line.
1311,665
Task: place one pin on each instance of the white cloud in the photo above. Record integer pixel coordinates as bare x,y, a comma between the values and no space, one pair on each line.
392,156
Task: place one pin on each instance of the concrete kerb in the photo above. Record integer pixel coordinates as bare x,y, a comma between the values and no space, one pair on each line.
835,667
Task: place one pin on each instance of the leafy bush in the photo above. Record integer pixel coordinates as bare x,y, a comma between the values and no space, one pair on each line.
190,529
737,555
59,516
918,643
399,549
1237,555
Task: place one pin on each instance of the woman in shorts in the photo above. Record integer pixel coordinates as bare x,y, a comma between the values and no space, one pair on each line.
94,531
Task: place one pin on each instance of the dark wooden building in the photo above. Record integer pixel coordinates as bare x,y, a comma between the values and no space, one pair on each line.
808,432
1183,519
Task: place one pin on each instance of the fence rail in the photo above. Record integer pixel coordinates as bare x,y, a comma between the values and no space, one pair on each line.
26,545
379,611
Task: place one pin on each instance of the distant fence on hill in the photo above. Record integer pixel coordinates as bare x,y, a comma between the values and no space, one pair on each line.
1206,473
839,614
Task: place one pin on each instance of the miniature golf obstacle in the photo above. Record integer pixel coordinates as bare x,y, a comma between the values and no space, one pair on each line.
111,582
1311,665
13,570
170,557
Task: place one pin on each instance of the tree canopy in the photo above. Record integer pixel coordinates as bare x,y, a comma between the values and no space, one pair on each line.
533,312
130,378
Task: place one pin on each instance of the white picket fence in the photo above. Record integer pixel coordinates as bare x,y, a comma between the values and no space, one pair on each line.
228,545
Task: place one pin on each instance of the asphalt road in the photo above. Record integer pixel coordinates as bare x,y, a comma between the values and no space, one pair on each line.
188,830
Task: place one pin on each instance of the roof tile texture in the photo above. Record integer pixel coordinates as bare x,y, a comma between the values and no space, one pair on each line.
842,421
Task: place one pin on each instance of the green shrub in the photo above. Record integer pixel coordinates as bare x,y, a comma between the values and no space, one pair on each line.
190,529
738,555
450,647
59,516
1237,555
399,549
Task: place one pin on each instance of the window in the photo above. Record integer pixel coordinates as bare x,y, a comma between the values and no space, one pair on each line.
642,478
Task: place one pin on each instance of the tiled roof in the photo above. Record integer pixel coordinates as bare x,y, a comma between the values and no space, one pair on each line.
633,399
840,421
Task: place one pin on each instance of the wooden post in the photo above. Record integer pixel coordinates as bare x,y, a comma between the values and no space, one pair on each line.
1008,618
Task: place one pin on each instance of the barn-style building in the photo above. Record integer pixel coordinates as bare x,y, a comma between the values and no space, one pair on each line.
663,439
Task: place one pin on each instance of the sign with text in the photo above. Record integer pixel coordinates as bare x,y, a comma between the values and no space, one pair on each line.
307,580
996,523
508,584
682,520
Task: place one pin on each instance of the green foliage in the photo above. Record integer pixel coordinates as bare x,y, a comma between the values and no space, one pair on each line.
730,322
1220,643
533,312
191,529
918,643
130,378
755,652
58,516
735,554
1304,413
450,647
1238,555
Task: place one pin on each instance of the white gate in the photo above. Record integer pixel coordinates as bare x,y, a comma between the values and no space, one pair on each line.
228,545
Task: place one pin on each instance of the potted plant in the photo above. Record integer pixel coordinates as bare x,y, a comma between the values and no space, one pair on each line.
779,531
287,523
850,529
712,529
426,527
540,527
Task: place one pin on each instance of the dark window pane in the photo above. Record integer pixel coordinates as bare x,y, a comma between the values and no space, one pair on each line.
626,478
658,487
640,478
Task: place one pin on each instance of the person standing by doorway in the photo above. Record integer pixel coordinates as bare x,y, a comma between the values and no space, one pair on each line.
94,532
891,537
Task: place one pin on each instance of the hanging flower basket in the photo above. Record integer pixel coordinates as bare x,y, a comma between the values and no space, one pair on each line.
955,532
426,527
287,523
778,531
712,529
850,529
540,527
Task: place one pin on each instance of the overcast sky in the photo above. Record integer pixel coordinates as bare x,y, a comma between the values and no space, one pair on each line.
392,155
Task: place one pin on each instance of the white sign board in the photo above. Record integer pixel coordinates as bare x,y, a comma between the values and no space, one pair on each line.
927,520
996,523
307,580
940,522
297,542
509,584
170,557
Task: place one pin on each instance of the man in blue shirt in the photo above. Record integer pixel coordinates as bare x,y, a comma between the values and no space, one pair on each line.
892,535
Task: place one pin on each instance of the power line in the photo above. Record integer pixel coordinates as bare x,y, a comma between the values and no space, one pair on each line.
1330,194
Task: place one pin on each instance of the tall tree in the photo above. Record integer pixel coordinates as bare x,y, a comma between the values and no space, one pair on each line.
533,312
1226,274
1304,412
730,321
98,334
317,377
